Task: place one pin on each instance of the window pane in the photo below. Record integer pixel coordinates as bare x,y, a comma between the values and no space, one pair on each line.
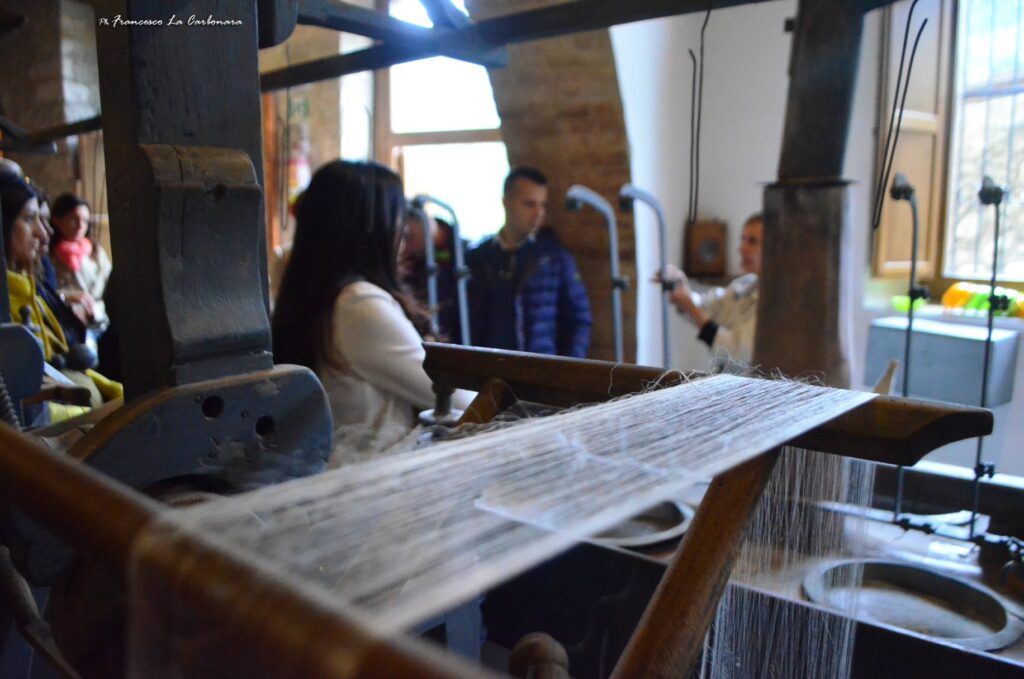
989,140
439,94
466,176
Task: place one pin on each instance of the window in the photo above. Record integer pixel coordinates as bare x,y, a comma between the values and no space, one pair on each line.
439,127
987,139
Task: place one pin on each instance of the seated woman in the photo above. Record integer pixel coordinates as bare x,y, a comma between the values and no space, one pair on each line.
726,317
83,267
24,241
340,310
24,238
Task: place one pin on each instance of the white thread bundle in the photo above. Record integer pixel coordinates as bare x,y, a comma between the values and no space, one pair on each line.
790,531
407,537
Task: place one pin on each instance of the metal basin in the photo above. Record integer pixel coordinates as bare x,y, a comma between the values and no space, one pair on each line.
662,522
919,600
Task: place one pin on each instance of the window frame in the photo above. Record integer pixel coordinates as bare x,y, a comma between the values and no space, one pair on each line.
938,229
946,231
387,144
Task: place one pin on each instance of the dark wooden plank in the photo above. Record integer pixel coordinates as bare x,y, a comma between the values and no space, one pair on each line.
587,15
371,58
546,22
823,74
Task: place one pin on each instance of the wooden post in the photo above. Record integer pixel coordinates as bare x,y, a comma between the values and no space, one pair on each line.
670,636
181,119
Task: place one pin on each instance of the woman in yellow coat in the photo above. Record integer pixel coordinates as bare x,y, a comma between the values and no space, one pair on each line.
24,237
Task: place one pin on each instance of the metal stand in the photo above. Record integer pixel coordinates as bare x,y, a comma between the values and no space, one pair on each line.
902,190
461,271
627,195
431,265
989,194
575,198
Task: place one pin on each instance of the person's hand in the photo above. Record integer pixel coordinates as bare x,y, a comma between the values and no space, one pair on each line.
678,285
672,278
82,304
680,294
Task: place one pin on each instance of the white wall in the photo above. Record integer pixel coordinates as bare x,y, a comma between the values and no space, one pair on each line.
745,87
745,59
655,96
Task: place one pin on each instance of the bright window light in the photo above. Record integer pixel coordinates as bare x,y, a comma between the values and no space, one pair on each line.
466,176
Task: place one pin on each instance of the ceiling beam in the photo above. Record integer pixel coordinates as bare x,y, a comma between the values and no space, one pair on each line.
444,13
342,16
378,56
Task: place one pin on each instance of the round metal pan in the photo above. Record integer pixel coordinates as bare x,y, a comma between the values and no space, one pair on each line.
662,522
919,600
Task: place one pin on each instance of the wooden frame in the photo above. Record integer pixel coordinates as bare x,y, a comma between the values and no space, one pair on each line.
289,634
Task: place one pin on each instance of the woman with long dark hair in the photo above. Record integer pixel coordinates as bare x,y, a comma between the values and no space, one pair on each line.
341,313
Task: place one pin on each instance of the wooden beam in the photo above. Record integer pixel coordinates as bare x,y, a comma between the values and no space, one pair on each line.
822,78
341,16
266,628
371,58
547,22
885,429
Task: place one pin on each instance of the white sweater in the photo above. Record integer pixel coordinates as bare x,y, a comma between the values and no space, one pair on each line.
374,375
734,309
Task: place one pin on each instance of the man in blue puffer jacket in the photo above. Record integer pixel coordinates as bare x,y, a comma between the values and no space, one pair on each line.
525,292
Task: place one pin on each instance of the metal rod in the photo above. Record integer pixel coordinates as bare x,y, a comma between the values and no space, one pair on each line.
431,265
990,194
700,109
627,195
903,190
461,271
887,164
892,117
575,198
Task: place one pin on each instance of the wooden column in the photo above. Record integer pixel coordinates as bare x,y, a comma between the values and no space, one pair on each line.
181,114
800,305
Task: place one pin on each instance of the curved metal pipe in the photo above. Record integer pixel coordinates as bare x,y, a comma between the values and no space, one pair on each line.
431,264
461,271
575,198
629,194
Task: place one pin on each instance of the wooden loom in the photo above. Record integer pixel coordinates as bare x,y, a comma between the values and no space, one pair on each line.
185,193
286,634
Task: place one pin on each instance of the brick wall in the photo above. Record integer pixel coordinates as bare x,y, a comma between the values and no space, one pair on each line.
50,79
561,111
31,92
79,70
